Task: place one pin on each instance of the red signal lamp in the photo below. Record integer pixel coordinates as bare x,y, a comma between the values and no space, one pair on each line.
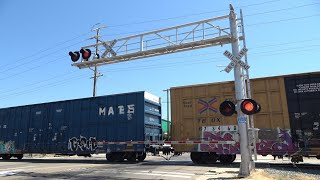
85,53
227,108
249,107
74,56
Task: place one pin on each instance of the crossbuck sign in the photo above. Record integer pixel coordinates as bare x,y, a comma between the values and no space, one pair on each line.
109,49
236,60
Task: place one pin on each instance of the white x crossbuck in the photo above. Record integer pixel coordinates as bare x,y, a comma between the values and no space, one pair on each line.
108,46
236,60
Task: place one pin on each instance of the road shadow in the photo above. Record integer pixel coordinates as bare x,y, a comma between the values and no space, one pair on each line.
76,175
68,161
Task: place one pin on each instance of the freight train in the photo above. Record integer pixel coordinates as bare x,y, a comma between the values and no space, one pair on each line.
82,126
288,122
125,126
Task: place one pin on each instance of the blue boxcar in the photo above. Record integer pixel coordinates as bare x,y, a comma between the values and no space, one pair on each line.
79,126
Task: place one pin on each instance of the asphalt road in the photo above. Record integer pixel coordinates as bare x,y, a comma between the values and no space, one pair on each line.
97,167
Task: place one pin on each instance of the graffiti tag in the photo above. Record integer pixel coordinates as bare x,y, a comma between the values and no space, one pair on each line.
7,147
82,144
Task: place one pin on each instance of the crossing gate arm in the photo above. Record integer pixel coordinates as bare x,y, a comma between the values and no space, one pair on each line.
195,35
165,142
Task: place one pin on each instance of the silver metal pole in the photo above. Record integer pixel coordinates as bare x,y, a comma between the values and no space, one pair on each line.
245,166
248,88
168,111
95,67
96,73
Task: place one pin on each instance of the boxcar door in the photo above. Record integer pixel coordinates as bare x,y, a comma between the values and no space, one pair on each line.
303,94
36,140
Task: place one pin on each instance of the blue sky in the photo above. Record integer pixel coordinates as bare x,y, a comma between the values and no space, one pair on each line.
36,36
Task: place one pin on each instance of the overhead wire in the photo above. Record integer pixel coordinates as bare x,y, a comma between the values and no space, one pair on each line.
260,13
281,20
192,55
203,60
209,60
41,57
30,69
45,50
188,15
279,10
284,20
154,21
48,86
112,26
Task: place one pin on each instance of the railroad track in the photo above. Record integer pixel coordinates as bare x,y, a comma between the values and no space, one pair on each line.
288,165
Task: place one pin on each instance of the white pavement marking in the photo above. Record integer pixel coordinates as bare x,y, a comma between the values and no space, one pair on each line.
168,175
8,173
164,174
22,167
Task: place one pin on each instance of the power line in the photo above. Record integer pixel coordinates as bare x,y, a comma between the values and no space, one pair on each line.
273,45
46,80
112,26
249,15
30,69
202,54
41,57
287,43
209,60
41,87
45,50
284,20
255,14
284,9
188,15
157,20
151,67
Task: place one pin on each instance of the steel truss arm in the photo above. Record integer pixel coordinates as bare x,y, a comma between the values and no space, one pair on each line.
191,36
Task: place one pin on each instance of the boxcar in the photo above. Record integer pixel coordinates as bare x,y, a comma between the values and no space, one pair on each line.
82,126
288,121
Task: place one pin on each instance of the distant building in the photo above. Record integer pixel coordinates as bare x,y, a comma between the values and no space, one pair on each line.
166,127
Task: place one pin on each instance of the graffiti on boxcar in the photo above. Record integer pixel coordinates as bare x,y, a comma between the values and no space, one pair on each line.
221,133
7,147
282,144
82,144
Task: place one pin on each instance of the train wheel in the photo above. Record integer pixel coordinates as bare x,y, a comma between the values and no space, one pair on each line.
142,157
19,156
6,156
227,158
196,157
234,156
296,158
205,156
212,158
110,157
119,157
131,157
318,156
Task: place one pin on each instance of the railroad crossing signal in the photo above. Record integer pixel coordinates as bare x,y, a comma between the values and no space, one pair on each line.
74,56
236,60
247,106
85,53
227,108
